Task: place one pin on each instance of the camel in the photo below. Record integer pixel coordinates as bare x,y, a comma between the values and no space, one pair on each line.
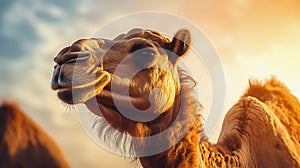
23,143
134,83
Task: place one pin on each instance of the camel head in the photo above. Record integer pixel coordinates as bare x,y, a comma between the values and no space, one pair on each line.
137,69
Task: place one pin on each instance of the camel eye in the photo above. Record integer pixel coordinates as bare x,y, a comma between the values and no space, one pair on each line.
148,55
143,57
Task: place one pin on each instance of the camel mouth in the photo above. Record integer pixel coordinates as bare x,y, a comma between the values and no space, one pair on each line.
82,89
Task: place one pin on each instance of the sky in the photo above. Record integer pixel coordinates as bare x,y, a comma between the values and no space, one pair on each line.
253,39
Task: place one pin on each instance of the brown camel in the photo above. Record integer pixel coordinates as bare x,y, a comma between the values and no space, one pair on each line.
24,144
139,69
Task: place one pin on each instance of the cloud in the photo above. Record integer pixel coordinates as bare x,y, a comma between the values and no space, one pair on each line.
4,4
17,31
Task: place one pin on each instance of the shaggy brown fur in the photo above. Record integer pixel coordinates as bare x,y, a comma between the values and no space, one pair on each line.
23,144
285,106
259,131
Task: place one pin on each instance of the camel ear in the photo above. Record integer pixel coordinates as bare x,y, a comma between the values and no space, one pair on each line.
180,43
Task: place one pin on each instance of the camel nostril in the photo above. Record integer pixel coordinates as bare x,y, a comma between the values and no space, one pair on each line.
56,59
75,56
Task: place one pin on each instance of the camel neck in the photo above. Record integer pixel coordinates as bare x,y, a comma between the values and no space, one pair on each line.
184,117
193,150
183,153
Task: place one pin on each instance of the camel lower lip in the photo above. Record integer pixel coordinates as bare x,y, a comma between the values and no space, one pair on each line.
65,94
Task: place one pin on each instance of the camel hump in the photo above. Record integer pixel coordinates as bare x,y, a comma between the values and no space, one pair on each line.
252,128
23,143
282,102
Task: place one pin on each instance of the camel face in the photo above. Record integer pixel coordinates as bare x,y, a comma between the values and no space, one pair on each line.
138,68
